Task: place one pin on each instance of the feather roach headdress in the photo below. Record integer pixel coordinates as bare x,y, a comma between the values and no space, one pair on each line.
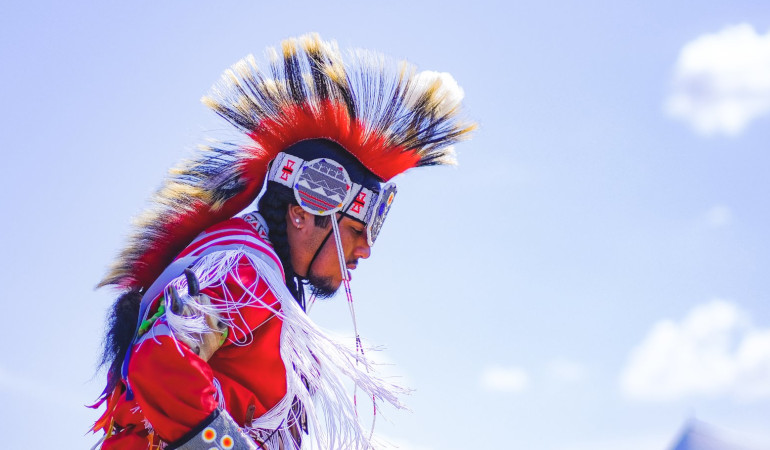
387,115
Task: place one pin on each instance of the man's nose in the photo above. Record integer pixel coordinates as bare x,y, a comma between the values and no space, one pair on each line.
364,251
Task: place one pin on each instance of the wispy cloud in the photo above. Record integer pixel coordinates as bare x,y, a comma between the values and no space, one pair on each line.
714,350
504,379
722,81
719,216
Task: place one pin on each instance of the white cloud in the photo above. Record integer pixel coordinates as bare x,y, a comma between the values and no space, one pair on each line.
714,350
504,379
719,216
722,81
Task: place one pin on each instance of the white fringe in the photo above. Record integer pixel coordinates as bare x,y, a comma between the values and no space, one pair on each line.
219,396
306,352
148,426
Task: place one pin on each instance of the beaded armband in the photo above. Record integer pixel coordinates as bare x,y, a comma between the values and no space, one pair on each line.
218,432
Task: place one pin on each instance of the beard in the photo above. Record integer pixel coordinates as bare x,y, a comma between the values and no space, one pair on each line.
322,287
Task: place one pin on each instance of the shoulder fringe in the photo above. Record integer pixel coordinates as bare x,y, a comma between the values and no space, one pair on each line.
308,354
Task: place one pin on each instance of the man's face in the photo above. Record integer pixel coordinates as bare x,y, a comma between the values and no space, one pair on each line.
324,271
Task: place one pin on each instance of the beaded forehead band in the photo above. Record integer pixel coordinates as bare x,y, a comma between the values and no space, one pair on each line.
322,187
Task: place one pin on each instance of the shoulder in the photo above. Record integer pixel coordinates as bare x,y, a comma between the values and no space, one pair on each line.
234,234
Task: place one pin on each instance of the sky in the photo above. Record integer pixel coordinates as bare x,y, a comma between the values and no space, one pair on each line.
593,275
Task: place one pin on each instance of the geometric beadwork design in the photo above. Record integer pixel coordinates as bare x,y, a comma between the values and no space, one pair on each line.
361,202
381,208
223,433
284,169
322,187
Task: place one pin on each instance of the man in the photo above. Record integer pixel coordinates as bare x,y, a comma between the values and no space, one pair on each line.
209,346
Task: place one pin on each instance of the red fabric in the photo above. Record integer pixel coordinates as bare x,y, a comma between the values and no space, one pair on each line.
128,441
175,391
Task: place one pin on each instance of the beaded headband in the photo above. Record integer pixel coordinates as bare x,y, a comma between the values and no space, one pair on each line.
322,187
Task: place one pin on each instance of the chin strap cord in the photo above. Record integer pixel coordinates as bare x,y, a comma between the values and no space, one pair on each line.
349,294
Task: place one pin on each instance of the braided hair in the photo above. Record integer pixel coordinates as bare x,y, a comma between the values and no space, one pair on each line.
273,206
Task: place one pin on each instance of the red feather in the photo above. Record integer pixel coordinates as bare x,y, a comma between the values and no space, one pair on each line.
331,122
271,137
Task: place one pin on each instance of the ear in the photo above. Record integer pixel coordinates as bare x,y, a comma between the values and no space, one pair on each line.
297,218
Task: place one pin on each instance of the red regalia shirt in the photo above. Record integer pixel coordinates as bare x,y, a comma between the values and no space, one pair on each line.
175,390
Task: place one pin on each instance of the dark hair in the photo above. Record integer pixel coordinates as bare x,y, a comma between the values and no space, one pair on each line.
273,205
121,326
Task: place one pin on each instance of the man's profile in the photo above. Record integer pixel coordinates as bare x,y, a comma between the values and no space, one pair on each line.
209,344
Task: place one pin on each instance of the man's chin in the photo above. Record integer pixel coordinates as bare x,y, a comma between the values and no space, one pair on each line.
323,287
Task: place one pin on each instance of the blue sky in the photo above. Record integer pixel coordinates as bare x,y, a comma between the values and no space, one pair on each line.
591,276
